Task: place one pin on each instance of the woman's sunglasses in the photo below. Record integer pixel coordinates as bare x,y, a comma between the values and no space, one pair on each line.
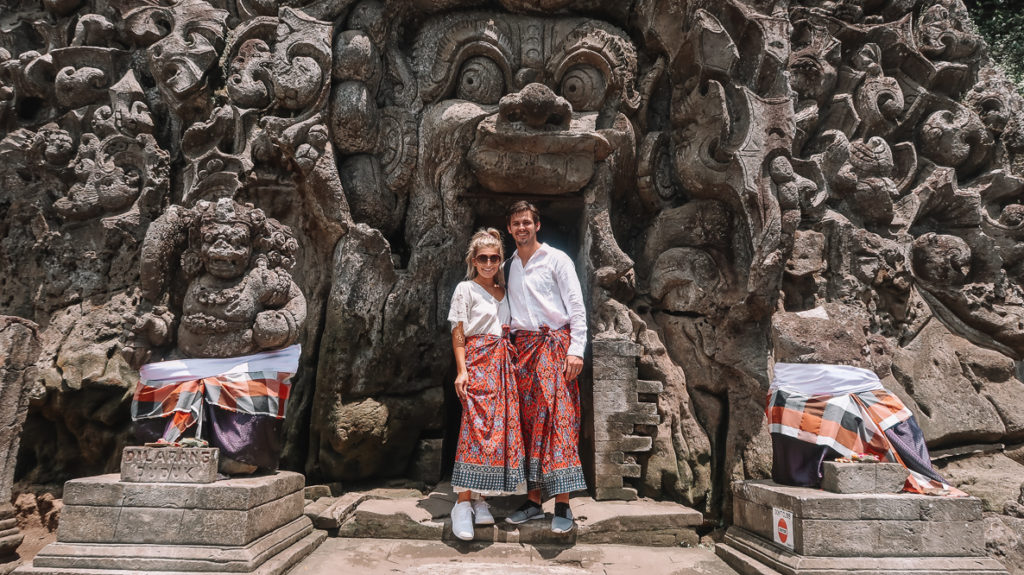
485,259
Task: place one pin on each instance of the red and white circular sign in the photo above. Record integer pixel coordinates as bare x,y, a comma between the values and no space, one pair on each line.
783,530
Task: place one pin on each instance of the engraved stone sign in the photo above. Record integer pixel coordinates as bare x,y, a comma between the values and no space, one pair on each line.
169,464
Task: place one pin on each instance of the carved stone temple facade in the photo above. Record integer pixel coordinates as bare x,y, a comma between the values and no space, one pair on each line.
714,166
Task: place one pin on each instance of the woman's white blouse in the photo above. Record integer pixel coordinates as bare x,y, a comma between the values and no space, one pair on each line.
478,311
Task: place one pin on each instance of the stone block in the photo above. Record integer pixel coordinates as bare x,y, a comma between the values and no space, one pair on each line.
603,347
340,509
613,401
608,481
169,464
818,504
235,493
648,386
602,362
605,430
751,554
614,385
863,477
316,492
605,452
627,372
175,526
623,469
635,443
616,493
953,538
639,413
272,554
951,509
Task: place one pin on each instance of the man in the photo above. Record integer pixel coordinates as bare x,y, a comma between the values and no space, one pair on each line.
549,330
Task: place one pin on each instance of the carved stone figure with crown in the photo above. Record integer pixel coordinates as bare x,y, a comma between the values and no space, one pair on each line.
228,304
239,299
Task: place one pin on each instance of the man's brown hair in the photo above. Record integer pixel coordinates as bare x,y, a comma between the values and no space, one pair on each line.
522,206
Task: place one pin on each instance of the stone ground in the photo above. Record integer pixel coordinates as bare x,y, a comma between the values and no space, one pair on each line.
402,530
389,556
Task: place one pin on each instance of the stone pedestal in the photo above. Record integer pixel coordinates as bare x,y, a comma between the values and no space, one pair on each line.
10,538
802,531
243,525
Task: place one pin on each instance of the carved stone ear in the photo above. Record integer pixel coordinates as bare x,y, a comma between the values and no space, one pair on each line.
147,24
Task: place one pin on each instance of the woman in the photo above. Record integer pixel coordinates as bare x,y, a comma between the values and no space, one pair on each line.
489,458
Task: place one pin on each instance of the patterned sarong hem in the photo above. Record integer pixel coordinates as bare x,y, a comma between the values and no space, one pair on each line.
488,480
556,481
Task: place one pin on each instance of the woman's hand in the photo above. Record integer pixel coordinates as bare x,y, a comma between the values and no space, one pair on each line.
461,383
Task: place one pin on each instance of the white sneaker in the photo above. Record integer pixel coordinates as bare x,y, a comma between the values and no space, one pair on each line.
482,513
462,520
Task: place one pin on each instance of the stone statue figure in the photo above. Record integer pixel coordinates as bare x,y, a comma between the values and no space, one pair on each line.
238,306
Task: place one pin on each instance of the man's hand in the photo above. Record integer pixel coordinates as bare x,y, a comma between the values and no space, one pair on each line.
573,366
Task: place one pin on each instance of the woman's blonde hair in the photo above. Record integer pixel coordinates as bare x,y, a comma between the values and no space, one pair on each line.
485,238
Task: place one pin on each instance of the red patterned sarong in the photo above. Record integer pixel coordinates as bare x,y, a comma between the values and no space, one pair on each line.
489,458
550,408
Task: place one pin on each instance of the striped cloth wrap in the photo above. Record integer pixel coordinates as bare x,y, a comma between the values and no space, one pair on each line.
255,384
844,408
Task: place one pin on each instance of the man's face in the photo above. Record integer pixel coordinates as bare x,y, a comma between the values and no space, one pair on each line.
523,229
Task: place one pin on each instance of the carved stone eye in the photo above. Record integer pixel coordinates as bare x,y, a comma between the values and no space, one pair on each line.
584,87
480,81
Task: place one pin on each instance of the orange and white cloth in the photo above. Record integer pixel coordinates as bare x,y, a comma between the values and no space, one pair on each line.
846,409
255,384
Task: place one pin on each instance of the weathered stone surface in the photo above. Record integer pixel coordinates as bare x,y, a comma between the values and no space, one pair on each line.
748,553
711,167
169,464
233,512
643,522
273,554
994,478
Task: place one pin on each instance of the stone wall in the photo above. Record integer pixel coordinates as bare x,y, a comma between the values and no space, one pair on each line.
713,167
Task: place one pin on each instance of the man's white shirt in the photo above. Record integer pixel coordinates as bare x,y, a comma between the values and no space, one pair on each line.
547,292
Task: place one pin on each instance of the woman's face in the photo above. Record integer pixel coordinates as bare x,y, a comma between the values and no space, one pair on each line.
487,262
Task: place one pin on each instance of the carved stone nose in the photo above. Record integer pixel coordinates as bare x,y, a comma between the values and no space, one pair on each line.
536,106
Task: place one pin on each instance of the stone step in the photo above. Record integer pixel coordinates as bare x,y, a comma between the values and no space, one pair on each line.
331,512
642,522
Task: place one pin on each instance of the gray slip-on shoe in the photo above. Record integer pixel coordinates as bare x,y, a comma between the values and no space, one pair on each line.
526,512
563,524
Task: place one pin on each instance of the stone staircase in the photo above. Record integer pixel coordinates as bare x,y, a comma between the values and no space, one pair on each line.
408,514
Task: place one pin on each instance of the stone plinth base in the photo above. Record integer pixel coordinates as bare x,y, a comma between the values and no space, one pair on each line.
801,531
10,539
244,525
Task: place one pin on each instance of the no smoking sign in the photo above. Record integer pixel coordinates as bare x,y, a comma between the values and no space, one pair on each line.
782,527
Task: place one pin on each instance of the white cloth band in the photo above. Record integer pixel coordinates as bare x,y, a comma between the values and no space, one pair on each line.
281,360
823,379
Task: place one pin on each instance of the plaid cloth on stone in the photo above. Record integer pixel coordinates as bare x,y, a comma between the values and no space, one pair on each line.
254,384
850,422
842,422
